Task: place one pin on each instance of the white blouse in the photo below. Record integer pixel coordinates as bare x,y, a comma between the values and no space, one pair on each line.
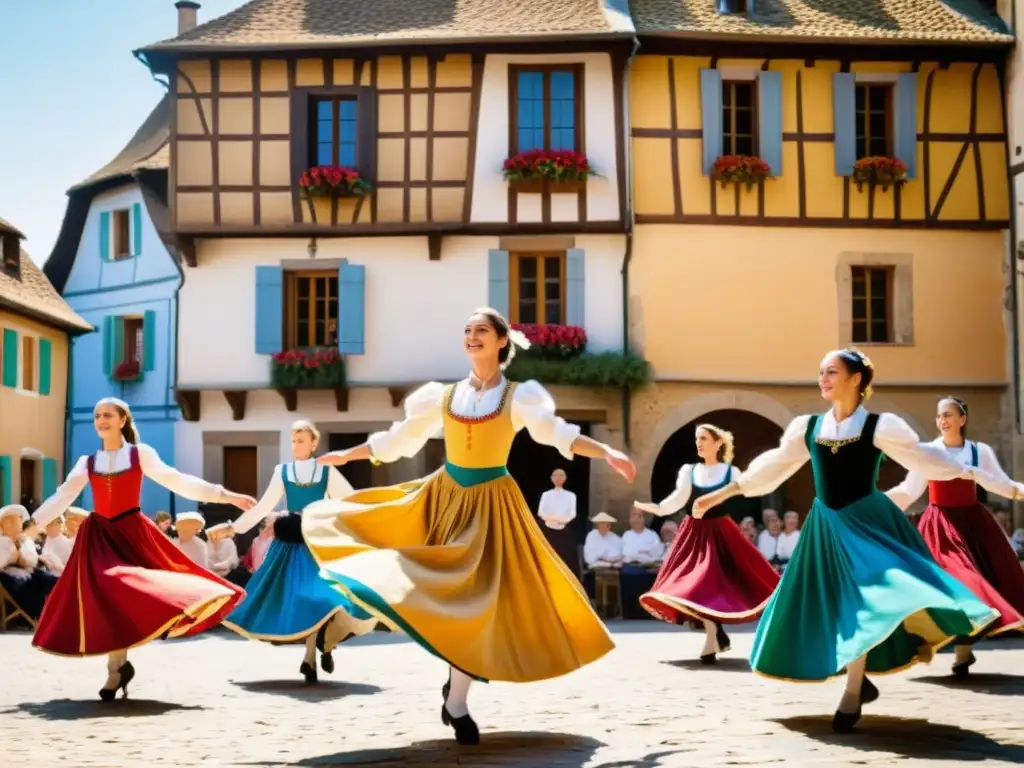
222,556
28,554
188,486
994,480
893,436
557,508
195,550
644,547
706,476
601,549
786,544
56,552
309,472
532,408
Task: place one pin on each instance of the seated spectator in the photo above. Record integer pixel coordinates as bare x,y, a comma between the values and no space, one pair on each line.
189,526
165,523
789,537
640,545
26,583
73,519
749,529
668,533
56,548
223,555
768,540
602,548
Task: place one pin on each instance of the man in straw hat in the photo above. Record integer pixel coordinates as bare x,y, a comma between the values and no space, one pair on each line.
602,549
73,519
27,584
189,524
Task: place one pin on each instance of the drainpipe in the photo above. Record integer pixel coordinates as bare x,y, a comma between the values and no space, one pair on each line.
627,395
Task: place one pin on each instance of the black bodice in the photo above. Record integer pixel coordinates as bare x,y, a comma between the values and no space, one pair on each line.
845,470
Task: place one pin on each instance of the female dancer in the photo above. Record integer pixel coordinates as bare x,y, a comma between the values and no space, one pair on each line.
861,593
962,534
456,559
713,575
286,600
126,583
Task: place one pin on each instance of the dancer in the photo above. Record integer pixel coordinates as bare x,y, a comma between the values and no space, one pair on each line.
861,593
287,601
126,583
713,575
962,534
456,559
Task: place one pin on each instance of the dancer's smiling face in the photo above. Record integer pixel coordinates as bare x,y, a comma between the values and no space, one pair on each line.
707,445
950,419
303,444
481,339
108,420
835,380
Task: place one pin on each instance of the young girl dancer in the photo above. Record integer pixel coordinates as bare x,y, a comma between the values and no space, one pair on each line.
861,593
713,574
962,533
456,559
125,582
286,600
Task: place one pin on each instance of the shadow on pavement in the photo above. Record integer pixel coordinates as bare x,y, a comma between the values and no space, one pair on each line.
994,684
69,709
301,691
723,665
908,738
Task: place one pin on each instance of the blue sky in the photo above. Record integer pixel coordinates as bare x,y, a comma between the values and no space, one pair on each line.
72,96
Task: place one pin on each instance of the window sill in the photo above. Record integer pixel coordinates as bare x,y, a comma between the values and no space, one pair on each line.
882,344
546,186
27,392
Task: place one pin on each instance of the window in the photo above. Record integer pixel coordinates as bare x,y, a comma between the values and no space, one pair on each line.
739,118
874,123
311,309
545,108
28,363
122,231
133,340
12,256
241,469
538,288
334,131
872,304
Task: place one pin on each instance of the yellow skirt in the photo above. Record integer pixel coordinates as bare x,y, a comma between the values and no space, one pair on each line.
465,571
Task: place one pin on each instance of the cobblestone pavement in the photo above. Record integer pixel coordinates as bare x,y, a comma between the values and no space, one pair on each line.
220,700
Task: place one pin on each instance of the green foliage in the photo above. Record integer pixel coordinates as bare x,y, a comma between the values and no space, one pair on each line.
606,369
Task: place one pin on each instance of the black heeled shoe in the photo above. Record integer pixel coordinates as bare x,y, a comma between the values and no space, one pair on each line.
447,687
962,669
327,662
127,672
724,644
309,672
844,722
465,728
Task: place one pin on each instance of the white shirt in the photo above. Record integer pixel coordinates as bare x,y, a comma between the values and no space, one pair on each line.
188,486
195,549
28,554
643,548
222,556
786,544
598,549
309,472
993,479
56,552
707,476
557,508
767,544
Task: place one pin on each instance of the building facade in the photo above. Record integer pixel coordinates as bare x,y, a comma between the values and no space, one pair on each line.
35,327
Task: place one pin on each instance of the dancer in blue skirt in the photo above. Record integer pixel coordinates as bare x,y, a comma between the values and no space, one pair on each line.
861,593
286,600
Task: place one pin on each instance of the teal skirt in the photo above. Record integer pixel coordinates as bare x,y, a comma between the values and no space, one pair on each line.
861,581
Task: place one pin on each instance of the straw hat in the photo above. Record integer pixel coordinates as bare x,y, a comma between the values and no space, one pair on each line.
186,516
14,510
76,512
603,517
215,529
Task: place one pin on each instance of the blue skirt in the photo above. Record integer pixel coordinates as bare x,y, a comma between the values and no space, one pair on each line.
287,599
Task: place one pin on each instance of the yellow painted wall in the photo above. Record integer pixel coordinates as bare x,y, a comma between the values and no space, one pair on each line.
30,420
762,303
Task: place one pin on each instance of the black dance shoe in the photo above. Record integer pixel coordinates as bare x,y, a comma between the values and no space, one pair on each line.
327,662
447,687
465,728
127,672
723,639
309,672
844,722
962,669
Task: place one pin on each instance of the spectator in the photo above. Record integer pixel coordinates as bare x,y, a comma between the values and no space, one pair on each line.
73,519
165,523
223,555
789,537
57,548
640,545
26,583
258,549
749,529
602,549
189,526
668,532
557,510
768,540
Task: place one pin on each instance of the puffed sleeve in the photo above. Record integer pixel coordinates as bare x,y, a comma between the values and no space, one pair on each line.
675,500
265,505
909,491
189,486
63,497
992,477
337,486
407,437
895,438
772,468
534,408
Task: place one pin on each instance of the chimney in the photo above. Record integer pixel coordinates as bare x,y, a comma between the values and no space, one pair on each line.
187,15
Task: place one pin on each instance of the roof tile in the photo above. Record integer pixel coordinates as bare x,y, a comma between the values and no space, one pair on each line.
33,295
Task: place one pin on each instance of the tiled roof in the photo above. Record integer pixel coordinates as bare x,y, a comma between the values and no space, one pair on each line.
898,21
7,227
149,148
34,296
263,24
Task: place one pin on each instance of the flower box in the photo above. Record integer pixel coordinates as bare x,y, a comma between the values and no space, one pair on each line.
547,186
127,371
320,368
332,181
740,169
539,171
878,171
557,342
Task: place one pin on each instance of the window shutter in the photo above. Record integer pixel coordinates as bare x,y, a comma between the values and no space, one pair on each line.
49,477
10,372
117,338
45,362
711,116
108,345
136,229
905,121
269,310
844,114
351,308
5,480
769,105
497,281
105,236
149,340
575,289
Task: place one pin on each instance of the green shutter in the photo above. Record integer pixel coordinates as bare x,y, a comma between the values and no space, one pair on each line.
109,355
118,341
49,477
149,340
45,361
10,362
136,229
5,480
105,236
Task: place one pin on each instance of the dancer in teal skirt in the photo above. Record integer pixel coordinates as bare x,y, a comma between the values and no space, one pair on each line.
862,593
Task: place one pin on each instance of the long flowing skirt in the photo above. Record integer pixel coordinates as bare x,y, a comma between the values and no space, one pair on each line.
861,581
286,600
464,571
125,584
712,572
969,544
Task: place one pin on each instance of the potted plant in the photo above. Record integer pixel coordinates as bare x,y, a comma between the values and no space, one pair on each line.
740,169
554,341
317,368
127,371
540,170
332,181
879,171
558,355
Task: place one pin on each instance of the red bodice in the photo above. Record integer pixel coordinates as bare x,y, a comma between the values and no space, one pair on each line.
953,493
117,493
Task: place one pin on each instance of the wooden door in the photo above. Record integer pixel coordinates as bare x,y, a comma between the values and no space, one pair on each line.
358,473
241,469
28,483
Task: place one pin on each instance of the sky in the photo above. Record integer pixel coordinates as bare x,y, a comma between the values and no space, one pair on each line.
71,96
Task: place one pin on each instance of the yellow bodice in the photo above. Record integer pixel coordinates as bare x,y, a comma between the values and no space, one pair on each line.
479,442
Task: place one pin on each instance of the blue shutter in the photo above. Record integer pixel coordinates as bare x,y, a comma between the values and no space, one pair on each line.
10,362
269,310
844,114
45,366
149,340
108,345
711,116
351,308
5,480
137,229
905,121
575,289
497,281
105,236
769,106
49,477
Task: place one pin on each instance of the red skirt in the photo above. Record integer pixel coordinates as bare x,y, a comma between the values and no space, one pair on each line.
125,584
713,573
969,545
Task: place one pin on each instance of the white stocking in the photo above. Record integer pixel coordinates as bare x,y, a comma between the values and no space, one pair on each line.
114,663
854,682
456,702
963,653
710,638
311,649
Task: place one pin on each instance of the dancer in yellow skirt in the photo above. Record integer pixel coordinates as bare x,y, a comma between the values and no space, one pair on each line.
456,559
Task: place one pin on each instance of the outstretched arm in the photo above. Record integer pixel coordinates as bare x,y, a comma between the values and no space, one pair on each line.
909,491
63,497
675,500
992,477
189,486
264,506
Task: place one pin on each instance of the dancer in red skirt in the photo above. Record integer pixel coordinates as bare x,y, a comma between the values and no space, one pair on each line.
713,574
125,582
962,534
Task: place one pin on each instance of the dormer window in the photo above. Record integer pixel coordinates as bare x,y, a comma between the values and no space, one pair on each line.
11,255
734,6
